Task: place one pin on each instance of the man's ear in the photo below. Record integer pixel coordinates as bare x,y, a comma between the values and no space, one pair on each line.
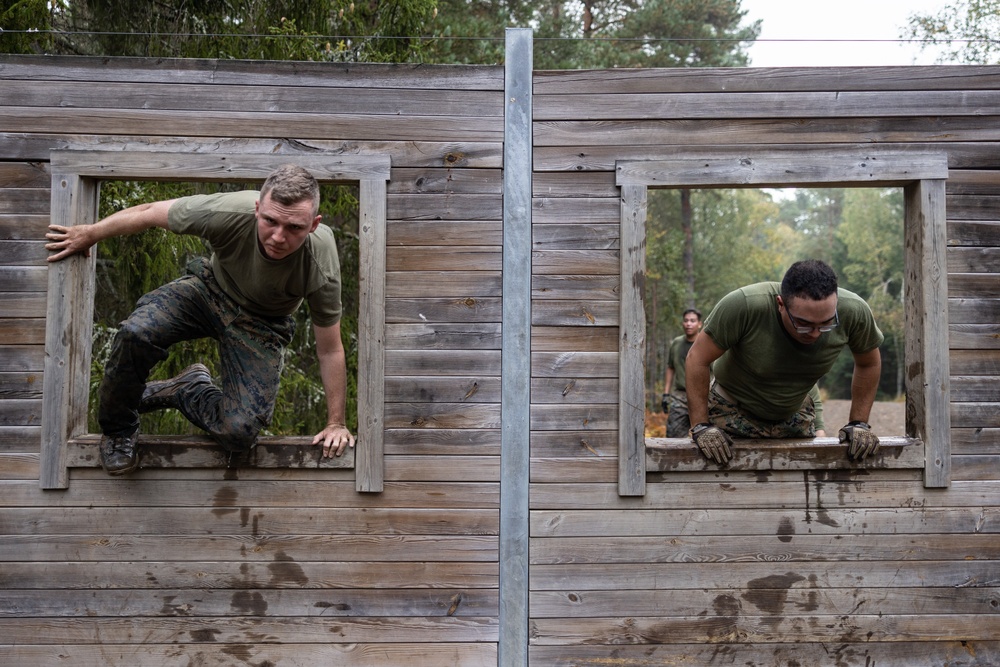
318,219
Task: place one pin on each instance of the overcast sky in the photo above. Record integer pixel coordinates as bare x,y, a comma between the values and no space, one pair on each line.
839,20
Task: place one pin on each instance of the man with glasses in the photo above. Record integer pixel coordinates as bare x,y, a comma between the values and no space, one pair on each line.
768,344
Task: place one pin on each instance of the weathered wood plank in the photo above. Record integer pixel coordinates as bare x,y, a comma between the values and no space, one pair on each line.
833,488
249,603
465,284
726,625
574,390
973,182
575,262
444,258
975,440
221,490
23,253
585,287
256,521
679,454
442,362
544,185
21,358
21,412
291,655
972,207
442,415
761,168
763,79
443,154
721,637
574,237
973,311
784,104
604,157
280,573
409,233
438,309
574,444
22,331
443,336
443,442
560,139
251,124
23,227
235,629
19,439
19,466
410,180
573,417
974,336
24,175
973,285
23,304
729,548
242,548
974,362
24,201
976,415
444,207
433,389
783,523
776,596
568,339
574,364
23,279
961,233
193,71
201,452
20,385
420,468
578,210
583,312
275,97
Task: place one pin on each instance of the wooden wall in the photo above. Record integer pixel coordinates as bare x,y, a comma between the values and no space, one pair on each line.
269,566
294,567
799,567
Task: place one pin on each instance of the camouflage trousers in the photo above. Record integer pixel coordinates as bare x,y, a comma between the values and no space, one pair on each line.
250,353
678,421
726,414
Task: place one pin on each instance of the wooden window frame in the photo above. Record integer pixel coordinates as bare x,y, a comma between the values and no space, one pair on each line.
922,176
76,175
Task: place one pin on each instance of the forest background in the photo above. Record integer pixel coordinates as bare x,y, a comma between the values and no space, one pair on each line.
701,244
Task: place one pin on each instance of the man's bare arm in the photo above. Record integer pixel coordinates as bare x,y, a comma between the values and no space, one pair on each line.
864,383
333,370
698,373
78,239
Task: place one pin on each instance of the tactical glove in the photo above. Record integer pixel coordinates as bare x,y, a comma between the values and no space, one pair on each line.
861,442
665,403
713,442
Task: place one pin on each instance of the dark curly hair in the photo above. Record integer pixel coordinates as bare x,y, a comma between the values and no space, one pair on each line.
810,279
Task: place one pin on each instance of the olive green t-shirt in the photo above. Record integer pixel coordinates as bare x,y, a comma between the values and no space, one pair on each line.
764,369
679,348
265,286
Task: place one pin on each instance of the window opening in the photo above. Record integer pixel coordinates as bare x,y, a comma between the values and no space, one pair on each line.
76,178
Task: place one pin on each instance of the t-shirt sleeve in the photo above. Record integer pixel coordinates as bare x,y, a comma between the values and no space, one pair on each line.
213,217
727,321
864,334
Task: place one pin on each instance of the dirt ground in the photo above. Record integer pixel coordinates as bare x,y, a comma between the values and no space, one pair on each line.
887,418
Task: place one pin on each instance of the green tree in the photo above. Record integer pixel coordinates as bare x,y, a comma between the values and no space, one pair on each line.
964,31
598,33
24,26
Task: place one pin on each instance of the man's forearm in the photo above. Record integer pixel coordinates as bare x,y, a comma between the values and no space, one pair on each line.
864,386
697,392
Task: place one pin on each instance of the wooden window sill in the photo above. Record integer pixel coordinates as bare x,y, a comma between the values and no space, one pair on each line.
680,455
194,451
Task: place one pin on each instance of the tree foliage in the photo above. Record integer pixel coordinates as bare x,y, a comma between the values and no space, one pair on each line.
24,25
745,236
964,31
597,33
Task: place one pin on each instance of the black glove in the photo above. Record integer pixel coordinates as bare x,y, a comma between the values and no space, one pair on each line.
713,442
861,442
665,403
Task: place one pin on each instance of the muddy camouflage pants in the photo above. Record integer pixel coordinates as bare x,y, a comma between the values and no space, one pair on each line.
727,415
678,421
250,352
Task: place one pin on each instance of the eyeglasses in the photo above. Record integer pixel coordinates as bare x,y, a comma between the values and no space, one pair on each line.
804,328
